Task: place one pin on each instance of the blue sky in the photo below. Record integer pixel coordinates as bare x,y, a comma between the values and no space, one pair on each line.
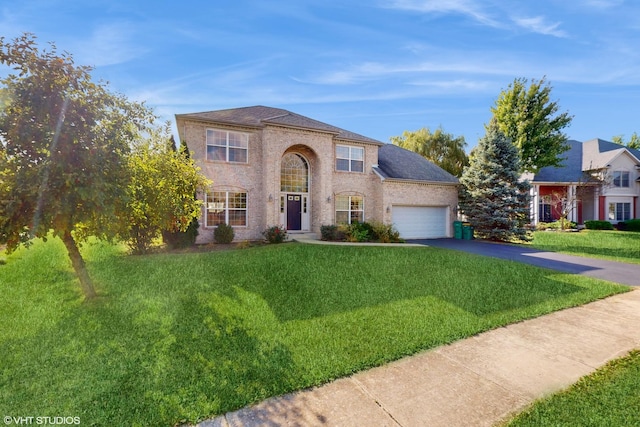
375,67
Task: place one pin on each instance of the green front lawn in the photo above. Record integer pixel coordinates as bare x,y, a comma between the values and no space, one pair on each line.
609,397
183,337
623,246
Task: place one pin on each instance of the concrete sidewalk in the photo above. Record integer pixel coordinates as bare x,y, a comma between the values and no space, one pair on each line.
478,381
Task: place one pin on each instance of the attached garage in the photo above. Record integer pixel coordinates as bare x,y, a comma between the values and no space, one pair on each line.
420,222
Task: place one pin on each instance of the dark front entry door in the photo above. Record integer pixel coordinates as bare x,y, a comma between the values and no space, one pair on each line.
294,212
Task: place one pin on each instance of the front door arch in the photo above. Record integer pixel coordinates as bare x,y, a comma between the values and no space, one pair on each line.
294,188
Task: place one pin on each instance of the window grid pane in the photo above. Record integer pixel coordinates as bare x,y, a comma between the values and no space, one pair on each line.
216,153
342,203
238,140
350,159
227,146
342,164
226,207
349,209
342,217
342,152
294,174
237,217
238,155
357,166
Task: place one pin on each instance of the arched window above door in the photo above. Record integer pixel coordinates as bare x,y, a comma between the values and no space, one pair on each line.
294,173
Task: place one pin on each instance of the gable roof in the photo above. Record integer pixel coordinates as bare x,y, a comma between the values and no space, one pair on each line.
398,163
598,153
581,157
260,116
570,169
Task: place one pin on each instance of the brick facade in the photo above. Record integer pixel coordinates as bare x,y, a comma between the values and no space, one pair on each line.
260,177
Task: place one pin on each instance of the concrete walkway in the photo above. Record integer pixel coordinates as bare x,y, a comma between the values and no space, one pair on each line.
478,381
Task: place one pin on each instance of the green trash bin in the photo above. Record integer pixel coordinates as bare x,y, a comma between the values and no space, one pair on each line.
457,229
467,232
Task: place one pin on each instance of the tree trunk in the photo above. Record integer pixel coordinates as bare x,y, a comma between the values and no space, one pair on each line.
79,266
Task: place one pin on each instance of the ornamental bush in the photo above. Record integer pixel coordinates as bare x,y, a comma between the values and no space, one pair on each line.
374,231
384,233
329,232
359,232
561,224
275,234
598,225
633,225
223,234
182,239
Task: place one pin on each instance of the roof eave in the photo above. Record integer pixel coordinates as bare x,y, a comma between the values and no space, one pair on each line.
217,122
420,181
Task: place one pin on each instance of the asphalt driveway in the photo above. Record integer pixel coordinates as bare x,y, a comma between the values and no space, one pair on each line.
626,274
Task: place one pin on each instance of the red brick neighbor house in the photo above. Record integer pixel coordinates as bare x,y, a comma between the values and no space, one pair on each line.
598,180
270,166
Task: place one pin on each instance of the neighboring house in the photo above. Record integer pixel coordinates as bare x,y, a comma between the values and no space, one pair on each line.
273,167
598,180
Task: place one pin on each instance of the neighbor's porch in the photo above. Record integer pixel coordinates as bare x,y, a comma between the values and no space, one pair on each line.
551,202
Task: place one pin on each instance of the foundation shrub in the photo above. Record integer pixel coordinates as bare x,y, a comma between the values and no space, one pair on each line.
223,234
598,225
384,233
633,225
275,234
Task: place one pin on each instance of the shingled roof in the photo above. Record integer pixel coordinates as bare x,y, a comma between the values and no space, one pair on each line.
570,169
260,116
398,163
581,157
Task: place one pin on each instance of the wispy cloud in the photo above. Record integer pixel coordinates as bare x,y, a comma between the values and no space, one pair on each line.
462,63
468,8
538,24
478,12
109,44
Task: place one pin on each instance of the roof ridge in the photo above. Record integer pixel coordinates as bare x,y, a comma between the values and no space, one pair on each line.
286,113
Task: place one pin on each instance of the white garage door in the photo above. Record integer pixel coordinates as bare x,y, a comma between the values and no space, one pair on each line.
420,222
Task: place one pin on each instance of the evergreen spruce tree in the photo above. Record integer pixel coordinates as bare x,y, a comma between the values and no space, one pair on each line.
492,196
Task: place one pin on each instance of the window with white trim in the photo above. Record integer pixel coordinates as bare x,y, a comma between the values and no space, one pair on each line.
619,211
621,179
294,173
544,209
226,207
227,146
349,209
349,158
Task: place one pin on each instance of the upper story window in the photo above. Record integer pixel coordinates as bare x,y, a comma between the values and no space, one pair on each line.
349,158
621,179
227,146
294,173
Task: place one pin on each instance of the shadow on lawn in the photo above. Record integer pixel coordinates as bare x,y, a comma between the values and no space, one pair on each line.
178,338
110,363
319,286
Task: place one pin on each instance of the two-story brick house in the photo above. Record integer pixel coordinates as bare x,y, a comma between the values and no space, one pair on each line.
270,167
